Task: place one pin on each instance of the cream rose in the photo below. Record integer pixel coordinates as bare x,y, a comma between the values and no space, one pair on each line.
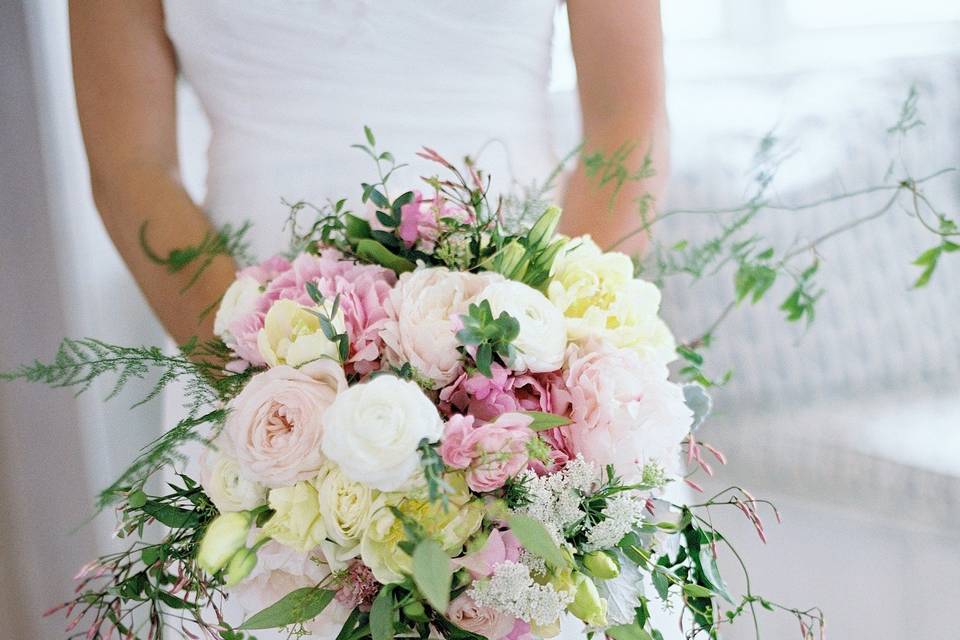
542,341
240,299
292,335
296,521
347,509
599,297
276,423
421,324
221,480
372,431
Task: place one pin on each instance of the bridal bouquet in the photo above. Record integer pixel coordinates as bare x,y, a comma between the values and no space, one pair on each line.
452,425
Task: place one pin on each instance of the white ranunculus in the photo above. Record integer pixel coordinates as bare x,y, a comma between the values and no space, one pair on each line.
239,300
220,478
372,430
292,335
421,326
542,342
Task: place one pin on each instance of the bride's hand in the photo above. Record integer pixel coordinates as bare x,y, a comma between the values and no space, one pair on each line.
125,75
619,57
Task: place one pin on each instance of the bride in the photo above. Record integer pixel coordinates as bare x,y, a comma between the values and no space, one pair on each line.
288,85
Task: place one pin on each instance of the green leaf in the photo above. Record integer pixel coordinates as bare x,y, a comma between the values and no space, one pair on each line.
357,228
377,253
536,539
628,632
697,591
314,292
368,134
137,499
295,607
381,615
173,517
484,359
543,421
708,565
432,574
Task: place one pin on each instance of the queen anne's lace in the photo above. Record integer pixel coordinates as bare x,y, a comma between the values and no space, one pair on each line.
512,590
621,514
555,499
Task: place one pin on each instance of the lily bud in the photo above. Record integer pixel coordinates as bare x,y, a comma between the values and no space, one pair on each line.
510,261
240,566
601,565
542,232
587,603
226,535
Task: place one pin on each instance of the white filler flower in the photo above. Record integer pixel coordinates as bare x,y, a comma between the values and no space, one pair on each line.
372,431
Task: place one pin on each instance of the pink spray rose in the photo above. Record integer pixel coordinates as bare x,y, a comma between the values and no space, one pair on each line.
492,453
275,424
485,621
625,411
420,220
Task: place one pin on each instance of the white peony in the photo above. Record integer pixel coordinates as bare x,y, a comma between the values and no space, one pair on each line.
372,430
221,479
239,300
600,298
542,342
292,335
421,322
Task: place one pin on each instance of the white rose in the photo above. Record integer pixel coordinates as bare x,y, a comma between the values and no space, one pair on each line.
239,300
292,335
542,341
420,328
372,430
221,480
346,507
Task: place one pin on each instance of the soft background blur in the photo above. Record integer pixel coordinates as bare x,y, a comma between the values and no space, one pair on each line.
852,427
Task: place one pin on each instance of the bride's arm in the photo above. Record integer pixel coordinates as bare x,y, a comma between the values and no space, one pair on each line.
125,75
618,48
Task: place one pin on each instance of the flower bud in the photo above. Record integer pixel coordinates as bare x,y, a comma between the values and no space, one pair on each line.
551,630
510,261
415,611
224,537
587,603
542,232
240,566
601,565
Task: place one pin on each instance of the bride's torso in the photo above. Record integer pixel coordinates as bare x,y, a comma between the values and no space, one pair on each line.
287,87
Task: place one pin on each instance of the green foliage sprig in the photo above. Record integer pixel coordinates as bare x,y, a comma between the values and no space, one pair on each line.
489,336
225,241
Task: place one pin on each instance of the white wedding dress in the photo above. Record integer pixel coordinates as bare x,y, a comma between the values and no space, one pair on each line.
288,85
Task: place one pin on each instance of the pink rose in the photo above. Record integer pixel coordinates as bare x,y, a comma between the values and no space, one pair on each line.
485,621
420,220
501,546
625,411
492,453
275,424
421,329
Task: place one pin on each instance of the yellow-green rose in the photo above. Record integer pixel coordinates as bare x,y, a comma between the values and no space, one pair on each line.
347,509
296,522
599,297
292,335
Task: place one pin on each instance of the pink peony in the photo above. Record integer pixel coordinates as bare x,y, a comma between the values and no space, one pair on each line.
485,621
486,398
275,424
267,270
492,453
501,546
625,411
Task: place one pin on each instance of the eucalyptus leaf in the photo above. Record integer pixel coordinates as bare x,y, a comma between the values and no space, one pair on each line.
381,615
295,607
432,573
536,539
